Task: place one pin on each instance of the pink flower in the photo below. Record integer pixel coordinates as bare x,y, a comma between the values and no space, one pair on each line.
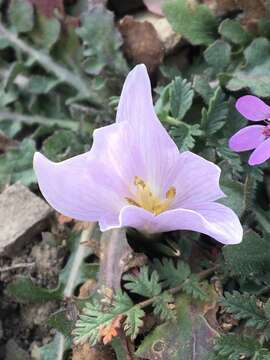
134,176
255,136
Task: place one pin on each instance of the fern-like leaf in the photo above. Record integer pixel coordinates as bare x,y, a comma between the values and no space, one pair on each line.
232,347
194,288
181,97
164,306
144,284
133,321
244,307
171,274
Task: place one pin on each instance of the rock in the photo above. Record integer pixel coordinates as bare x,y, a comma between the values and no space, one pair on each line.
22,216
15,352
141,43
86,352
168,37
122,7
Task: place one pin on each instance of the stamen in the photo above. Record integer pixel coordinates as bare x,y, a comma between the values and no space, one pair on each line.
145,199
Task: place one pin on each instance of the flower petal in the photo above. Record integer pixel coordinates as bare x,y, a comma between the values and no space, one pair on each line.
253,108
260,154
196,181
212,219
75,190
145,134
247,138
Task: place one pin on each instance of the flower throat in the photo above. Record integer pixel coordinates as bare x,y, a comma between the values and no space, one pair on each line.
145,199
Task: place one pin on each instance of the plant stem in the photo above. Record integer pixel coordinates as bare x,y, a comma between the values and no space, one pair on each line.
172,121
248,197
201,275
36,119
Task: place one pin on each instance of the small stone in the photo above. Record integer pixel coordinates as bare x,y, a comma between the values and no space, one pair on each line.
167,36
141,43
22,216
15,352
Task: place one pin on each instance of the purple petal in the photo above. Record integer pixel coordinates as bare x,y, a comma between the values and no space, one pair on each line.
247,138
75,190
261,154
253,108
196,181
212,219
146,135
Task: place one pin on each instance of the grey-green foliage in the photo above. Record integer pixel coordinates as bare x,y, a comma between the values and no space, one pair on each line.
218,55
232,347
254,73
250,258
144,284
245,307
21,15
101,41
17,164
214,117
181,97
192,20
232,31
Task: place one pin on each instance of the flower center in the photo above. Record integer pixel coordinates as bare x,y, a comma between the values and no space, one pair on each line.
145,199
266,130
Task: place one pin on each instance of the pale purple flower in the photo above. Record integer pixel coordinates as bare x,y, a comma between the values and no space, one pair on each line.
255,136
134,176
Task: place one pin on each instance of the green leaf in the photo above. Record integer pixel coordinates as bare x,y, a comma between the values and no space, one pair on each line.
194,288
234,192
181,97
202,87
46,31
218,55
250,258
144,284
94,317
133,322
234,32
171,274
62,145
39,84
233,346
61,323
102,42
21,15
25,291
255,74
53,350
213,118
17,164
195,22
244,307
163,306
189,337
184,135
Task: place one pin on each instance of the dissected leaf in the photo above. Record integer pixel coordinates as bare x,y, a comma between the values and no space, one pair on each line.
171,274
184,135
133,322
144,284
181,97
250,258
213,118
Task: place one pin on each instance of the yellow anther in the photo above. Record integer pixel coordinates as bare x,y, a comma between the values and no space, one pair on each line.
145,199
170,194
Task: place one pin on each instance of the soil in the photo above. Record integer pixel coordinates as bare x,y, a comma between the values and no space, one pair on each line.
25,325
